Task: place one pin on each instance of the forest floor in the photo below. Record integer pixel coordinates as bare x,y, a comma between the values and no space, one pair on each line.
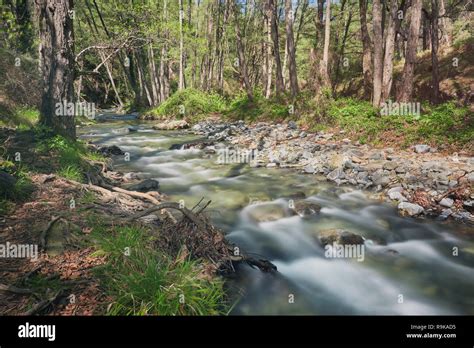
78,236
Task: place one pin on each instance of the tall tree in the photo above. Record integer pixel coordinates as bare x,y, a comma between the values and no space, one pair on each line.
241,52
366,48
181,46
390,36
434,50
327,37
378,53
290,44
57,63
272,14
406,85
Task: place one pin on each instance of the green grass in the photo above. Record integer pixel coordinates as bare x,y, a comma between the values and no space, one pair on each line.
146,282
71,156
23,117
445,123
71,172
189,103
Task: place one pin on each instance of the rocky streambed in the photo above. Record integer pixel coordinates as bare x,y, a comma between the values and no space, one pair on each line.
420,180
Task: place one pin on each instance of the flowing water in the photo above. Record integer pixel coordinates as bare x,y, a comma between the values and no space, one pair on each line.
408,266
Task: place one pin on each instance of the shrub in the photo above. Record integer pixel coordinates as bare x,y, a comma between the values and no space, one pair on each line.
196,104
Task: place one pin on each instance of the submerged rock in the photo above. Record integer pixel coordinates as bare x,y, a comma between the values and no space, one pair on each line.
306,208
339,236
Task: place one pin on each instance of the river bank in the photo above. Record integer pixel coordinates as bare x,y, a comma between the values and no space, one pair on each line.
420,180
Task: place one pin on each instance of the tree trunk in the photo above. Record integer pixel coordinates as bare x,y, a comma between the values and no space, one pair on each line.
327,36
57,63
434,50
240,50
164,69
393,26
272,14
290,44
406,86
181,46
366,48
378,53
268,57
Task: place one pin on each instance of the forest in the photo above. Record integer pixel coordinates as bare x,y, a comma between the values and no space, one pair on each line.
242,157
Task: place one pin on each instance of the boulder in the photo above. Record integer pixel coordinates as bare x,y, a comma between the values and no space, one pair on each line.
111,150
170,125
446,202
410,209
422,148
145,185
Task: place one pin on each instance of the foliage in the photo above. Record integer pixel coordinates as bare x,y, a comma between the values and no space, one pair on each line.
241,107
147,282
192,102
440,124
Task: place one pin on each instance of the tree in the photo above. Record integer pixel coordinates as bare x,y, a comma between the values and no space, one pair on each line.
57,63
434,50
366,48
290,44
378,54
327,37
240,50
181,46
406,85
272,14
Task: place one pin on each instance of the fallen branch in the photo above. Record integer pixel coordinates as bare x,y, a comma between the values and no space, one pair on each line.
15,290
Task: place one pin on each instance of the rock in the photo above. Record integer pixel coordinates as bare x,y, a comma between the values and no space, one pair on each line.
309,169
422,148
395,189
306,208
111,150
121,131
272,165
145,186
468,205
445,214
47,177
446,202
356,159
390,165
397,196
410,209
339,236
7,181
292,125
380,179
470,177
131,176
267,212
132,129
169,125
335,174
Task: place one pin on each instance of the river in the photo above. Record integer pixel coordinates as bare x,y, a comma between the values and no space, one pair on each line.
409,267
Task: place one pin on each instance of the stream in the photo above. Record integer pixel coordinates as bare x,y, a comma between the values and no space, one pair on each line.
408,266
